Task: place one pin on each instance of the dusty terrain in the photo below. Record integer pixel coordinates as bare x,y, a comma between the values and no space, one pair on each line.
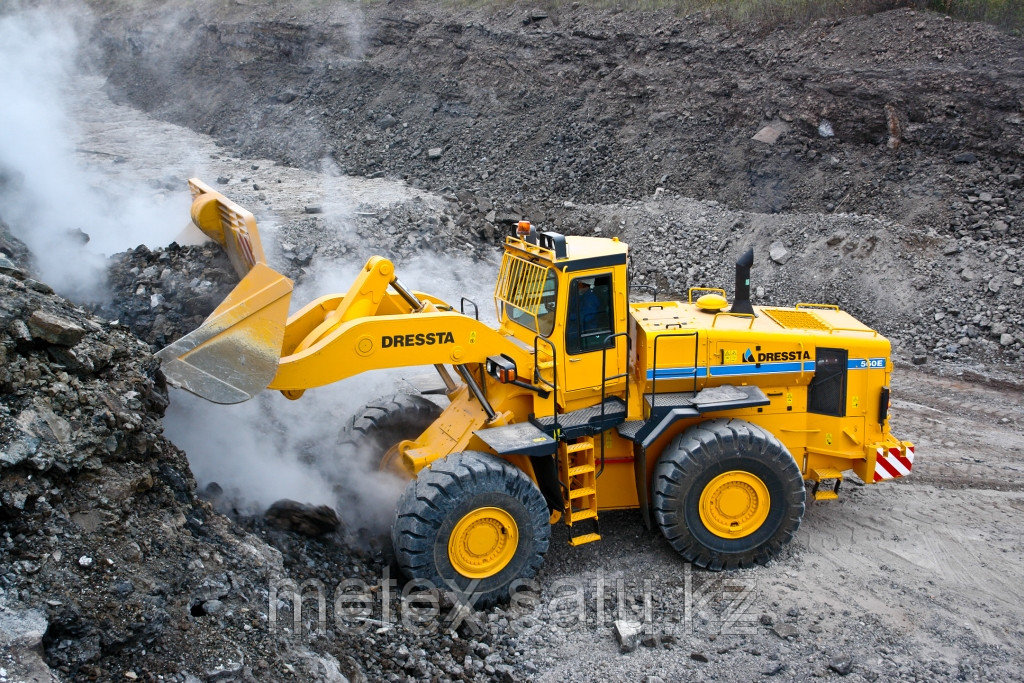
918,579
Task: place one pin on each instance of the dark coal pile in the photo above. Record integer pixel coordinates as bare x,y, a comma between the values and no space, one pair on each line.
165,293
110,567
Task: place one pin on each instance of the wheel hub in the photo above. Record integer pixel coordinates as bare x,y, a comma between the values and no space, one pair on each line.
734,504
483,542
393,462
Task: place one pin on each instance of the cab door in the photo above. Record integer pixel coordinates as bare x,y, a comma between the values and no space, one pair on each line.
591,317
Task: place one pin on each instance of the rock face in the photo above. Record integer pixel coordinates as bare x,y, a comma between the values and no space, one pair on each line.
603,104
105,551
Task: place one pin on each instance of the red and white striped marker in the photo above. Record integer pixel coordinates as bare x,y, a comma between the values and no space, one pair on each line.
245,246
891,463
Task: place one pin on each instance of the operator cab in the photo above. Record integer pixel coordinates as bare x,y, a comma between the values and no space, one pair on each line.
566,297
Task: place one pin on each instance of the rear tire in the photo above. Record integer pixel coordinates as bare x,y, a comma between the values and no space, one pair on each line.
727,494
380,426
473,523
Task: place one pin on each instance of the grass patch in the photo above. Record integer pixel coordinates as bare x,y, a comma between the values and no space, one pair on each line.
1006,13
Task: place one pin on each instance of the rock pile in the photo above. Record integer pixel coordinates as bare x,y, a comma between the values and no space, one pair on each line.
162,294
110,566
894,113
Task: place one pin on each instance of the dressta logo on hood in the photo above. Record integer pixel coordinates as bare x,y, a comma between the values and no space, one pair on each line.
774,356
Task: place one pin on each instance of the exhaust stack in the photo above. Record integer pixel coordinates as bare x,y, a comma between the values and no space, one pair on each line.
741,302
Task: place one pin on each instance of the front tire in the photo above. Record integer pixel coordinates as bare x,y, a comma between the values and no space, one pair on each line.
727,494
473,523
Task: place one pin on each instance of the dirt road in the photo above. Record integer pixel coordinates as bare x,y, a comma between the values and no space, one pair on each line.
916,578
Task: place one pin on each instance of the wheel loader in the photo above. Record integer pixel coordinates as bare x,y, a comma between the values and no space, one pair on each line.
713,419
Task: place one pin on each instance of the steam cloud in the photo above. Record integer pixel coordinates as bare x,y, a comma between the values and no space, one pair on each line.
259,451
47,194
271,448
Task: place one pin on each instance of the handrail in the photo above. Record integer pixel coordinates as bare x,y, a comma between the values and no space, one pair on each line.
735,315
539,379
691,290
610,343
652,288
462,307
832,307
654,363
874,333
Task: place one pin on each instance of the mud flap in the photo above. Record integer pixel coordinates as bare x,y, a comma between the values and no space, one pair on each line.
642,483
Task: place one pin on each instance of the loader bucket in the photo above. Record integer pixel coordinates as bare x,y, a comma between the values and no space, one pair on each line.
234,354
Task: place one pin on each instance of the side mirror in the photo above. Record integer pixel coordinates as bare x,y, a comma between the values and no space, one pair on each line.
502,368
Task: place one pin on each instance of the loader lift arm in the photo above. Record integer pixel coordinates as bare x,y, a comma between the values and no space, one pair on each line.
370,328
249,343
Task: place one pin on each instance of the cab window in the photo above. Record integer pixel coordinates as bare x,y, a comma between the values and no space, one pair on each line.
544,322
589,319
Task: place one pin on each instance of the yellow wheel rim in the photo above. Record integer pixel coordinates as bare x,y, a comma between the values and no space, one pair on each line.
734,504
483,542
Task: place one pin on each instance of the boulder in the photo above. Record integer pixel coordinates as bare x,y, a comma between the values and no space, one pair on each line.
54,328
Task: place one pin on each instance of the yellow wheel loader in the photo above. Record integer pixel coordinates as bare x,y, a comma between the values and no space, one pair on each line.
711,418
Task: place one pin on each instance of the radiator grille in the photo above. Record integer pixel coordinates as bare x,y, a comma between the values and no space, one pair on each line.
797,320
827,392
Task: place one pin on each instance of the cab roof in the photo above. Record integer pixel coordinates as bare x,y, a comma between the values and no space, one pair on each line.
570,252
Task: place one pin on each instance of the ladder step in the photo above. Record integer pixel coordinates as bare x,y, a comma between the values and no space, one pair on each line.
579,447
825,495
582,515
825,473
580,469
585,538
581,493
